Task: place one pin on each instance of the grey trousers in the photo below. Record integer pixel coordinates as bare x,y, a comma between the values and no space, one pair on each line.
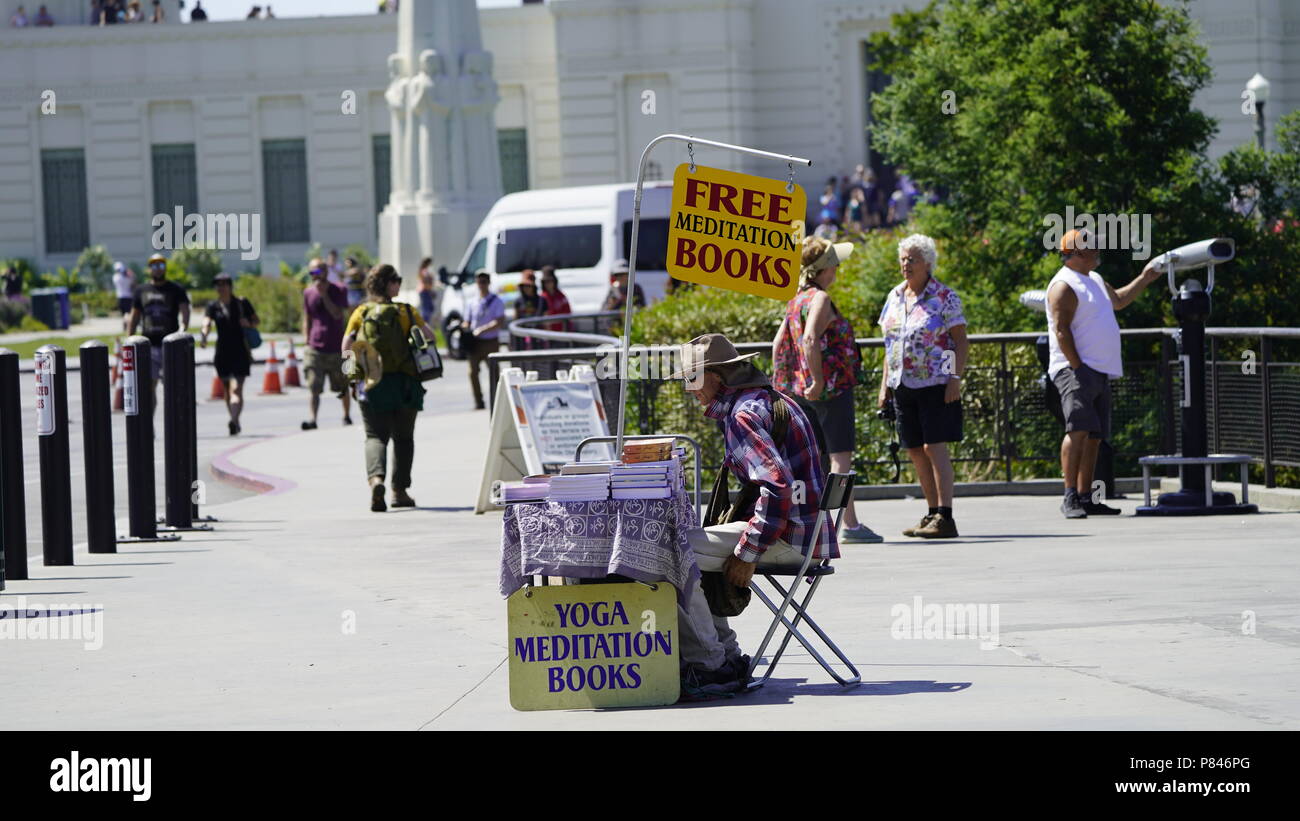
707,641
398,425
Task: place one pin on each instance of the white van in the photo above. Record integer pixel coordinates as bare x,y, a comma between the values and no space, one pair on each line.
582,231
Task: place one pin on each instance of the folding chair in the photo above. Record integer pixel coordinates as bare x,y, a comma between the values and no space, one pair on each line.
839,489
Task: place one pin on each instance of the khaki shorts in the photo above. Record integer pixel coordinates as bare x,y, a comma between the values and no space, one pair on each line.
316,365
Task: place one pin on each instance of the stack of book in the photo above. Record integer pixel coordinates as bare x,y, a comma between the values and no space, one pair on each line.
645,480
581,482
647,450
531,489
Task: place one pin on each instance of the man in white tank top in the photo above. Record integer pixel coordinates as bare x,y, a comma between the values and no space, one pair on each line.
1083,338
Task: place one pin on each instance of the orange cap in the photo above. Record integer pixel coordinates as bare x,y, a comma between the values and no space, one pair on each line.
1078,240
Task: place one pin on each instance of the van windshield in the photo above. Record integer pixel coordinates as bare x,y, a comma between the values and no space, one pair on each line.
564,246
651,245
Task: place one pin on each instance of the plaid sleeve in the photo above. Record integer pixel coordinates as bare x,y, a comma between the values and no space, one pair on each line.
756,455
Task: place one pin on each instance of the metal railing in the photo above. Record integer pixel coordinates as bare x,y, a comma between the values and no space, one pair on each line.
1011,432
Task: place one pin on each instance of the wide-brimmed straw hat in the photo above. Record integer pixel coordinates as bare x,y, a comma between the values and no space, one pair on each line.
715,350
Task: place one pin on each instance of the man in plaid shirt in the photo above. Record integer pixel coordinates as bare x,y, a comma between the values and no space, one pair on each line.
779,528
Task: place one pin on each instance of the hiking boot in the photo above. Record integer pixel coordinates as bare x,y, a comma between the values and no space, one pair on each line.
402,499
925,520
1098,509
702,685
377,504
860,535
939,527
1072,506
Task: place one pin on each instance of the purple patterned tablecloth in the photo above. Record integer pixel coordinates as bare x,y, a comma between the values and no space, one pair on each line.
643,539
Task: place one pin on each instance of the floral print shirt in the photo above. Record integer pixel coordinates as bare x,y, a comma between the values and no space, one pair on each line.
916,334
790,373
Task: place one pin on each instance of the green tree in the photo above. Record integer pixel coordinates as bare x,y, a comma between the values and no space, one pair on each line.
1019,109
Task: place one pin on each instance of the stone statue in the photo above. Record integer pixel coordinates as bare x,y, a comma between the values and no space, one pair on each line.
420,107
395,95
478,100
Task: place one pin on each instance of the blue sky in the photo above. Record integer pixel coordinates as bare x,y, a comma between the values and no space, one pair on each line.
238,9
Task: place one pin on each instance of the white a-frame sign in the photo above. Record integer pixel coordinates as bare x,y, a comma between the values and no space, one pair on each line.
537,425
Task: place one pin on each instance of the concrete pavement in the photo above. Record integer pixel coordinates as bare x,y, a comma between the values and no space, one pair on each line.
1104,623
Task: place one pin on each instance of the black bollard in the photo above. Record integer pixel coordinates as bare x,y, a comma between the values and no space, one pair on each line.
52,433
137,405
13,501
180,436
97,446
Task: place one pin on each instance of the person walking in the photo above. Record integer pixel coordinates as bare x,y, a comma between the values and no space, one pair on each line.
424,288
232,316
485,316
390,407
124,285
1083,356
159,307
815,361
324,312
925,356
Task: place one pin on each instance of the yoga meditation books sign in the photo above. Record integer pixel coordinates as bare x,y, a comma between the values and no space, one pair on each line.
593,645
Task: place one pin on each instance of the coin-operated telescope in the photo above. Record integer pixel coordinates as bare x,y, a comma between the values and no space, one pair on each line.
1191,306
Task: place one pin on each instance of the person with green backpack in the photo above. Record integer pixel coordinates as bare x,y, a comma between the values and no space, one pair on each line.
389,408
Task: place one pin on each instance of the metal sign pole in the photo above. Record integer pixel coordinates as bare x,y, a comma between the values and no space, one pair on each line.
631,263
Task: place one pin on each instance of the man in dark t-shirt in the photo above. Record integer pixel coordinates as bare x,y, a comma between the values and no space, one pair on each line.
159,308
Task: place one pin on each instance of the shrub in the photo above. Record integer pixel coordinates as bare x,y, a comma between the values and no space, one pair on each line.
94,268
31,323
200,263
97,303
359,253
11,314
278,301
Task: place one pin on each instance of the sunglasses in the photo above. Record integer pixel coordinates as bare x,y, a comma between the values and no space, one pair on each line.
157,265
319,271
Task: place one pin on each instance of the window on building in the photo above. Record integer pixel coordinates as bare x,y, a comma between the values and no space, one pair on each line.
512,144
284,180
381,157
175,178
63,185
564,246
874,81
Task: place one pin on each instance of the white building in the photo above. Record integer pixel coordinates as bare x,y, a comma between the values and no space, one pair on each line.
253,116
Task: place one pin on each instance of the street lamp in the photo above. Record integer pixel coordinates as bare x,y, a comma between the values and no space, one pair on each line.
1258,88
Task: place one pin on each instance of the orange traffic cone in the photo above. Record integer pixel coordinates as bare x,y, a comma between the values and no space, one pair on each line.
291,369
271,381
218,388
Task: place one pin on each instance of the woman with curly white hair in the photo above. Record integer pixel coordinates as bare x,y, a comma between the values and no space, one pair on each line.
925,357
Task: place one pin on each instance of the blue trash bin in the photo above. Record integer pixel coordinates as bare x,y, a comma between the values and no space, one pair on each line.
53,307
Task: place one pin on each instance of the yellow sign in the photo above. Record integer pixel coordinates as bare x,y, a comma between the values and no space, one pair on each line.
736,231
593,645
